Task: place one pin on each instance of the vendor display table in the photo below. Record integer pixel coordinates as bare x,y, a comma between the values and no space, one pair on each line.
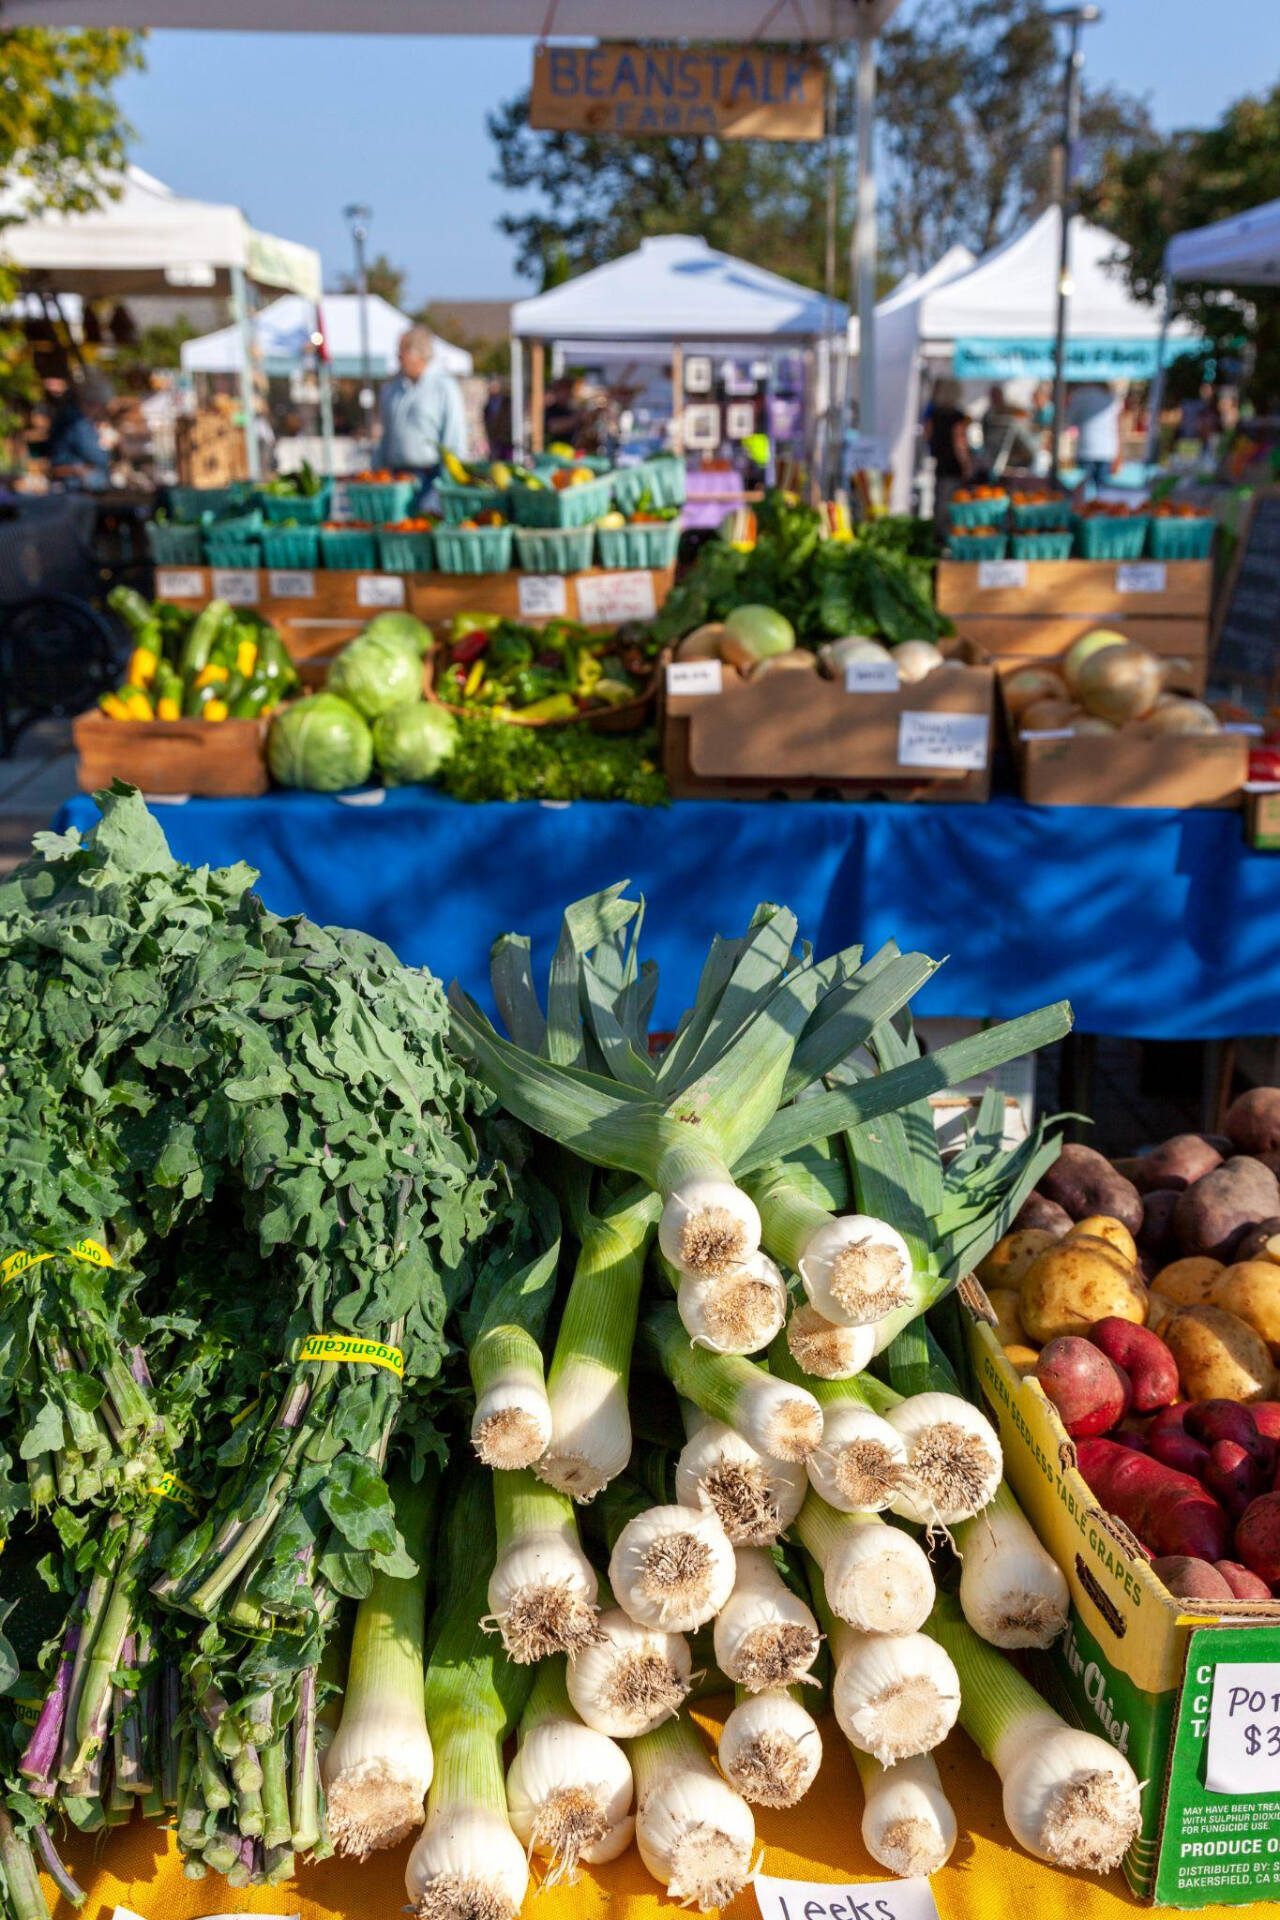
1155,924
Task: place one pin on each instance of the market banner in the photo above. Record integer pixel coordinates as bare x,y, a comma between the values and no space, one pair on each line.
1085,359
740,93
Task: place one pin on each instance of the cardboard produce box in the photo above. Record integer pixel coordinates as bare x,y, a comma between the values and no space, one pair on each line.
1129,769
214,759
1150,1673
800,734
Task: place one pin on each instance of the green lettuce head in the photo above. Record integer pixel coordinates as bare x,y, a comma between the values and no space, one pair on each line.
320,743
377,671
411,744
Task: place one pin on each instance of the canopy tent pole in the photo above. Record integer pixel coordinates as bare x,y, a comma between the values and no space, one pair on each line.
517,398
864,232
677,399
1156,397
537,394
326,417
248,399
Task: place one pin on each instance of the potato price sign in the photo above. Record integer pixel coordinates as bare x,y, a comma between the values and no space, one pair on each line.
1244,1729
735,93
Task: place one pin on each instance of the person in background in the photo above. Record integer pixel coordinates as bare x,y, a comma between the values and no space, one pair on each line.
564,417
947,431
76,451
1094,411
497,420
422,413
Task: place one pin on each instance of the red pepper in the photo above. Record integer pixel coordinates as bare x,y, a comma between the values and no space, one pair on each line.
470,647
458,675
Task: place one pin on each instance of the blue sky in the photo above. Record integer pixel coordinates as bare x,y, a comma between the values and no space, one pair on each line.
292,127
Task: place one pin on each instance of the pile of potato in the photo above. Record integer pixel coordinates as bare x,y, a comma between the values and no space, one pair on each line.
1104,684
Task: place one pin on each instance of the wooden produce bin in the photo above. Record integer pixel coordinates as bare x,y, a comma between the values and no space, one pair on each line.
1130,769
798,734
212,759
1024,611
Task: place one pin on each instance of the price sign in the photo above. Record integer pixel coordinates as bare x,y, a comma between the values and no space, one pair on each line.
1244,1729
605,599
380,590
542,595
173,585
994,574
871,676
238,586
1146,576
954,740
695,676
871,1900
291,586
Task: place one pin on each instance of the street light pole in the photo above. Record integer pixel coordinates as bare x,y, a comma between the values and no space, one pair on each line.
1075,18
360,217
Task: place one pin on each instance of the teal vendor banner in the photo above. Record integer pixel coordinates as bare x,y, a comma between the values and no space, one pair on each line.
979,359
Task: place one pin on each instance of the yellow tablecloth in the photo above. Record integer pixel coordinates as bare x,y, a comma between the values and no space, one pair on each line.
987,1878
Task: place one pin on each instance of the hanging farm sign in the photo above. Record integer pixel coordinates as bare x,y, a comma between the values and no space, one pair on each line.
736,93
1085,359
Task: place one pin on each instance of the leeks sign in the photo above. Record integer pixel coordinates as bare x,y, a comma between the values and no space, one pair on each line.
735,93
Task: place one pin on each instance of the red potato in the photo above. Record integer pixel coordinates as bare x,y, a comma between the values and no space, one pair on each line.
1177,1164
1189,1579
1266,1417
1131,1438
1243,1584
1157,1236
1144,1357
1089,1390
1038,1212
1174,1448
1168,1511
1212,1420
1258,1537
1083,1181
1233,1476
1253,1121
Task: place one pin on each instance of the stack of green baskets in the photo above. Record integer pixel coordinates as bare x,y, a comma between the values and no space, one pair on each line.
651,544
980,513
350,549
1041,544
1050,515
378,502
307,510
291,547
1181,539
400,552
553,549
1112,537
473,549
193,504
175,545
544,463
662,479
460,502
979,543
234,541
561,506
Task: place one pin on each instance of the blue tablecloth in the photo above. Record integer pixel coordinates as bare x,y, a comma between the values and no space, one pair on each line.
1155,924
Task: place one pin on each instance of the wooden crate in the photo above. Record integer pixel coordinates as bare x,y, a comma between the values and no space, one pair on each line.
796,735
1093,587
216,760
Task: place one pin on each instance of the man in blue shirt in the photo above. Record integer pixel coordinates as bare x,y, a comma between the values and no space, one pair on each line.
76,453
422,412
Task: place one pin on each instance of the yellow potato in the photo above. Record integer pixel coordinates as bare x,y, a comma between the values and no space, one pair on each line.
1160,1310
1009,1259
1072,1285
1218,1356
1004,1304
1101,1226
1022,1359
1188,1282
1251,1290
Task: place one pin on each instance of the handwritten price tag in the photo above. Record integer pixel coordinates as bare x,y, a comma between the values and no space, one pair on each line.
1244,1729
695,676
173,585
871,676
606,599
873,1900
291,586
542,595
951,740
1146,576
380,590
238,586
994,574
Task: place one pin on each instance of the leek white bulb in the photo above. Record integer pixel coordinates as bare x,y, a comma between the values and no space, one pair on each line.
738,1311
874,1576
894,1695
756,1497
781,1420
631,1679
1013,1592
695,1834
764,1635
376,1772
569,1795
466,1865
1068,1796
954,1458
511,1425
590,1441
908,1824
856,1269
672,1567
708,1225
862,1462
829,1352
770,1749
542,1596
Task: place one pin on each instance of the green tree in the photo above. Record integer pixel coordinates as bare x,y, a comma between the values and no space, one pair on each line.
61,140
1189,180
382,278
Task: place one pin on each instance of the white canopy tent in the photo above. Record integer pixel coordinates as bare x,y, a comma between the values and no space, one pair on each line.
282,337
147,239
997,322
674,290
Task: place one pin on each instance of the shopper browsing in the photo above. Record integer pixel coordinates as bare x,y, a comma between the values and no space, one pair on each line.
422,412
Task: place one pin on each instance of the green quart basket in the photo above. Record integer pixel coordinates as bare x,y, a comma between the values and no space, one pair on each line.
175,546
235,526
651,546
192,503
1041,546
980,513
291,547
552,462
1041,516
554,549
978,546
1181,539
308,510
662,478
233,553
380,501
1105,539
458,502
473,549
561,506
349,549
406,552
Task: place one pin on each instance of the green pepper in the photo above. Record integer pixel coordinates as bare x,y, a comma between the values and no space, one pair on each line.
200,642
136,612
508,650
465,623
529,684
